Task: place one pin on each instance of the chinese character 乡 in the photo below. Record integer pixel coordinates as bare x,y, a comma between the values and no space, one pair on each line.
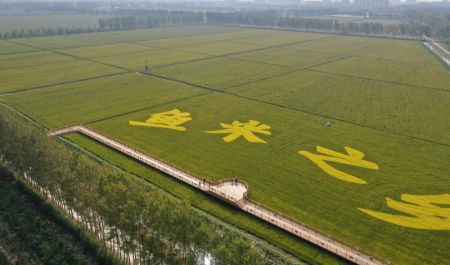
352,158
171,119
430,212
245,129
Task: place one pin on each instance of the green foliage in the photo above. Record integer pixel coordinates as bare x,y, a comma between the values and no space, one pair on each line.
381,94
23,60
220,73
287,183
27,23
7,47
99,99
152,58
49,74
367,102
3,259
31,234
230,214
123,209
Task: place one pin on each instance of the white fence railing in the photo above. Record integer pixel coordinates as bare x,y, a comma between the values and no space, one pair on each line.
294,227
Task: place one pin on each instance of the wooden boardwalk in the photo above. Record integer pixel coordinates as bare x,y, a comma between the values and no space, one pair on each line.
234,192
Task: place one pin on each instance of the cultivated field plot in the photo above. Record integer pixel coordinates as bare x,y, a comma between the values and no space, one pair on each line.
105,50
100,98
283,39
220,48
58,42
392,71
21,60
152,58
284,180
333,131
286,57
71,41
220,73
208,38
398,108
43,75
7,47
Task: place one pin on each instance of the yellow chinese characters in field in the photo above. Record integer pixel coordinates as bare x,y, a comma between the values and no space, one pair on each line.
171,119
431,212
352,158
245,129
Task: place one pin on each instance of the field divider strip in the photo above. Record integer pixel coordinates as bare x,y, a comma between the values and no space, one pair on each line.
75,57
293,70
146,108
234,192
206,42
231,53
61,83
358,55
120,41
380,80
338,119
24,116
295,109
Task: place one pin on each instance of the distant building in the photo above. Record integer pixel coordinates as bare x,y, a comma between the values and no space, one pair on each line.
371,4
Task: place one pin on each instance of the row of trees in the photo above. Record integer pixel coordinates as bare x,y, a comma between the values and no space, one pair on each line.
29,233
264,19
415,26
140,224
48,31
157,18
319,24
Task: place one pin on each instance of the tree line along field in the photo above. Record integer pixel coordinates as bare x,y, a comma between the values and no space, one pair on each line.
25,22
386,98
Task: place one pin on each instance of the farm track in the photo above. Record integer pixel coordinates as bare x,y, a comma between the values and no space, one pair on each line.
235,193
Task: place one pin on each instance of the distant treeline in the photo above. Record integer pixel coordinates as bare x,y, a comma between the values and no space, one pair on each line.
437,19
151,19
142,223
264,19
37,32
319,24
411,23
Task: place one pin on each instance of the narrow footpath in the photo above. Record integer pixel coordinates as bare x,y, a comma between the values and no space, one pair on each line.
234,192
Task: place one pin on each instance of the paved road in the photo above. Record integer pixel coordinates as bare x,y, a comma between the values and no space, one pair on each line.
437,49
234,192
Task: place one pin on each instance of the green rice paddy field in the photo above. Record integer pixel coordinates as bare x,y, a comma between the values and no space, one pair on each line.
389,99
